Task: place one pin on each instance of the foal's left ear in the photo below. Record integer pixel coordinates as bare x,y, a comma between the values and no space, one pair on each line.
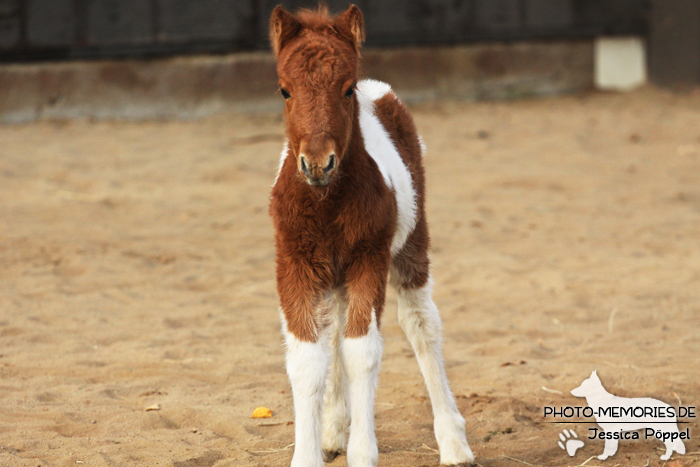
351,25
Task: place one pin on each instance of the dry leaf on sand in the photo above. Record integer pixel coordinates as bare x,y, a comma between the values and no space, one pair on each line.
261,412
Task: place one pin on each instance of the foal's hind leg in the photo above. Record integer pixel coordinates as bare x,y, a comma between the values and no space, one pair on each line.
420,320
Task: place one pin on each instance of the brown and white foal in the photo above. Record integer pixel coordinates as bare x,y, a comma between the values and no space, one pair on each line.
348,209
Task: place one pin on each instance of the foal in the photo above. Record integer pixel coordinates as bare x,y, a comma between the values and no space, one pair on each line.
348,209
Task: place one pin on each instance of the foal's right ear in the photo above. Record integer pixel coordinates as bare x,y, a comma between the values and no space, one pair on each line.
283,26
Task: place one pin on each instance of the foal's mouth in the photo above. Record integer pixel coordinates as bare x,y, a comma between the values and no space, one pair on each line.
318,182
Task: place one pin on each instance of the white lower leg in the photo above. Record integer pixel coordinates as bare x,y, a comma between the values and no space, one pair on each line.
362,359
307,364
335,408
420,320
609,450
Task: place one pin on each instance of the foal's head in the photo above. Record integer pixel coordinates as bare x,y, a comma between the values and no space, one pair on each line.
317,59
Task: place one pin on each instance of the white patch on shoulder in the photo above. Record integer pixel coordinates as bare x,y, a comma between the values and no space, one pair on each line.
283,158
381,148
372,89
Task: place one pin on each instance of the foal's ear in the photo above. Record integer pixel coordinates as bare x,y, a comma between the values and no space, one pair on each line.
351,25
283,27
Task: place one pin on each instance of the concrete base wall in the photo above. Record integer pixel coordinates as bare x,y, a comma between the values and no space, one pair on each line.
191,87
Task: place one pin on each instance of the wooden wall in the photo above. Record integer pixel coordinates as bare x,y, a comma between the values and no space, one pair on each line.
65,29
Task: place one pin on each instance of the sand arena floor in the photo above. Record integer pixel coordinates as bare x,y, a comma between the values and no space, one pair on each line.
136,272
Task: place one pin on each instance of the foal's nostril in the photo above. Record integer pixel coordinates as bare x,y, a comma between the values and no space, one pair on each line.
304,167
331,164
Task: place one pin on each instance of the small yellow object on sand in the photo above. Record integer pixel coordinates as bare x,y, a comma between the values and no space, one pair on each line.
261,412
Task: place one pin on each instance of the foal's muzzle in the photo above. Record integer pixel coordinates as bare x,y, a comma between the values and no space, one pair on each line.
318,174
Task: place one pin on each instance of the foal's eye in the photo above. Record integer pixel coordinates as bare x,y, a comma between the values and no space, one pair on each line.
285,93
350,91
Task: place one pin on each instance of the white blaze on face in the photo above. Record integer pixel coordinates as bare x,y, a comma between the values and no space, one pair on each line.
381,148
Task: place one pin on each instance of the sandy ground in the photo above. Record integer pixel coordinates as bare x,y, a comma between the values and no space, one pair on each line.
136,270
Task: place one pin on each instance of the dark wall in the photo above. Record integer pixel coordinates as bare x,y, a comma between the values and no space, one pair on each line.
64,29
674,42
398,22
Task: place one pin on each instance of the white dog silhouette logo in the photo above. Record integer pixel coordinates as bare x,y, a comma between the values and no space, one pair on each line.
616,415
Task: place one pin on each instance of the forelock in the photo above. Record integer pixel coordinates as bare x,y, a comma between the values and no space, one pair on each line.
318,20
318,58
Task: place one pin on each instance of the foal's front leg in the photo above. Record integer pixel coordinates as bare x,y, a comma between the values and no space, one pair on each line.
335,404
361,351
307,366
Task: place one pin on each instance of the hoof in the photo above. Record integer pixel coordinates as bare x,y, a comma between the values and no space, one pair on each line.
329,456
